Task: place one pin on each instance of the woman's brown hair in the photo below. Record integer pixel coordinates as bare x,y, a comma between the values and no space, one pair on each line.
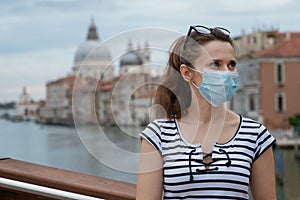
174,93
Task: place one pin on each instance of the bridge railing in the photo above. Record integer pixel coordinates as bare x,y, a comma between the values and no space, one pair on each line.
23,180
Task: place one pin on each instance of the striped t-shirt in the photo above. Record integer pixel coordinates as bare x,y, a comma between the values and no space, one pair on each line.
184,171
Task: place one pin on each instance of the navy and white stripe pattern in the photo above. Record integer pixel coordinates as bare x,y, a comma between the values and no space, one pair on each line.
185,176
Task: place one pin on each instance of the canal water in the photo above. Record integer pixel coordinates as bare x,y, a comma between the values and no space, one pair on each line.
106,152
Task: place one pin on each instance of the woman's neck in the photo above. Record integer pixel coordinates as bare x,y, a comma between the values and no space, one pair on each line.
201,111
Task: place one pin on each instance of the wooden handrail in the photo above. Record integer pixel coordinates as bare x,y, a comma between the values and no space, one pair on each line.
66,180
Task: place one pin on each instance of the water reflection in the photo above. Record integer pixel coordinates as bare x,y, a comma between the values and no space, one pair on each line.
112,147
59,147
291,176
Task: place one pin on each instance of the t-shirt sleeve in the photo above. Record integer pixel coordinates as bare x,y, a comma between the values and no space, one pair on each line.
263,142
152,134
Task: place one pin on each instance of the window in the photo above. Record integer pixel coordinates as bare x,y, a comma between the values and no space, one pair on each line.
250,73
252,40
280,102
252,102
279,73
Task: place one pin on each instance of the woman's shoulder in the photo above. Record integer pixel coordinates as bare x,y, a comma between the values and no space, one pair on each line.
250,121
160,125
162,121
154,130
249,125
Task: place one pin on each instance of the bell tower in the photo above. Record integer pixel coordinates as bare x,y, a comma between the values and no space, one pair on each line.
92,34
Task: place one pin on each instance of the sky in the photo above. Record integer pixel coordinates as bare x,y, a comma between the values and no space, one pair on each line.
38,38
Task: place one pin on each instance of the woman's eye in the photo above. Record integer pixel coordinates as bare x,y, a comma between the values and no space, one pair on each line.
214,64
232,65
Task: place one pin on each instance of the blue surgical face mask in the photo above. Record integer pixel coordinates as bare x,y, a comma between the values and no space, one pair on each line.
218,87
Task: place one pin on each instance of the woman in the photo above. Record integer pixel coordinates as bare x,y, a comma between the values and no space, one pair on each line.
201,150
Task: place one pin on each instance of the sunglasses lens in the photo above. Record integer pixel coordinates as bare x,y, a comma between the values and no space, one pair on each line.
223,30
203,30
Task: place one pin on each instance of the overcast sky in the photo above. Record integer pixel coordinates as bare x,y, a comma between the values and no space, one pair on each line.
38,38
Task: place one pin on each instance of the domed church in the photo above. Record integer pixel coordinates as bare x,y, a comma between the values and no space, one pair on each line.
134,58
93,58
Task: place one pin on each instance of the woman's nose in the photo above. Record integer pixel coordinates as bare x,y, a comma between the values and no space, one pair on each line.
224,68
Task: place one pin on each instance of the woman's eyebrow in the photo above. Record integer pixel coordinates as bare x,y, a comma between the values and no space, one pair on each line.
215,60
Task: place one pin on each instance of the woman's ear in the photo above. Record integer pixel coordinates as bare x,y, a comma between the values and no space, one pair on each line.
186,73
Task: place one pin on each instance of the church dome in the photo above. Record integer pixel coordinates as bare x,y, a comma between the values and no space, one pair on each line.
92,49
131,58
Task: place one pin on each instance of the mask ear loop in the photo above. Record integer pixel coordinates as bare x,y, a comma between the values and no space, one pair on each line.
195,70
194,84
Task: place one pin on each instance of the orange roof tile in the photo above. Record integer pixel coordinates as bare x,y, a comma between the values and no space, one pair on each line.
287,48
145,95
288,34
63,80
106,87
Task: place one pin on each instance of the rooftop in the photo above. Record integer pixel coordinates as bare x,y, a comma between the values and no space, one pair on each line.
287,48
66,79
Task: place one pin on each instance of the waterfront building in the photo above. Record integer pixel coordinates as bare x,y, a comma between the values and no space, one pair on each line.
133,89
270,84
70,100
131,98
74,97
141,101
125,100
84,101
93,94
58,107
26,108
104,102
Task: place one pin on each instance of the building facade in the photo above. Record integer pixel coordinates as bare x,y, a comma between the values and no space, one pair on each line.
26,108
104,102
84,101
270,84
125,99
260,39
58,106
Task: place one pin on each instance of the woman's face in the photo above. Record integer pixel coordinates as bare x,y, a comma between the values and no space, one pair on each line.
215,55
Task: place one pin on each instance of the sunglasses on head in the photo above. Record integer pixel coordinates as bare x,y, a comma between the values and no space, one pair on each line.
204,30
